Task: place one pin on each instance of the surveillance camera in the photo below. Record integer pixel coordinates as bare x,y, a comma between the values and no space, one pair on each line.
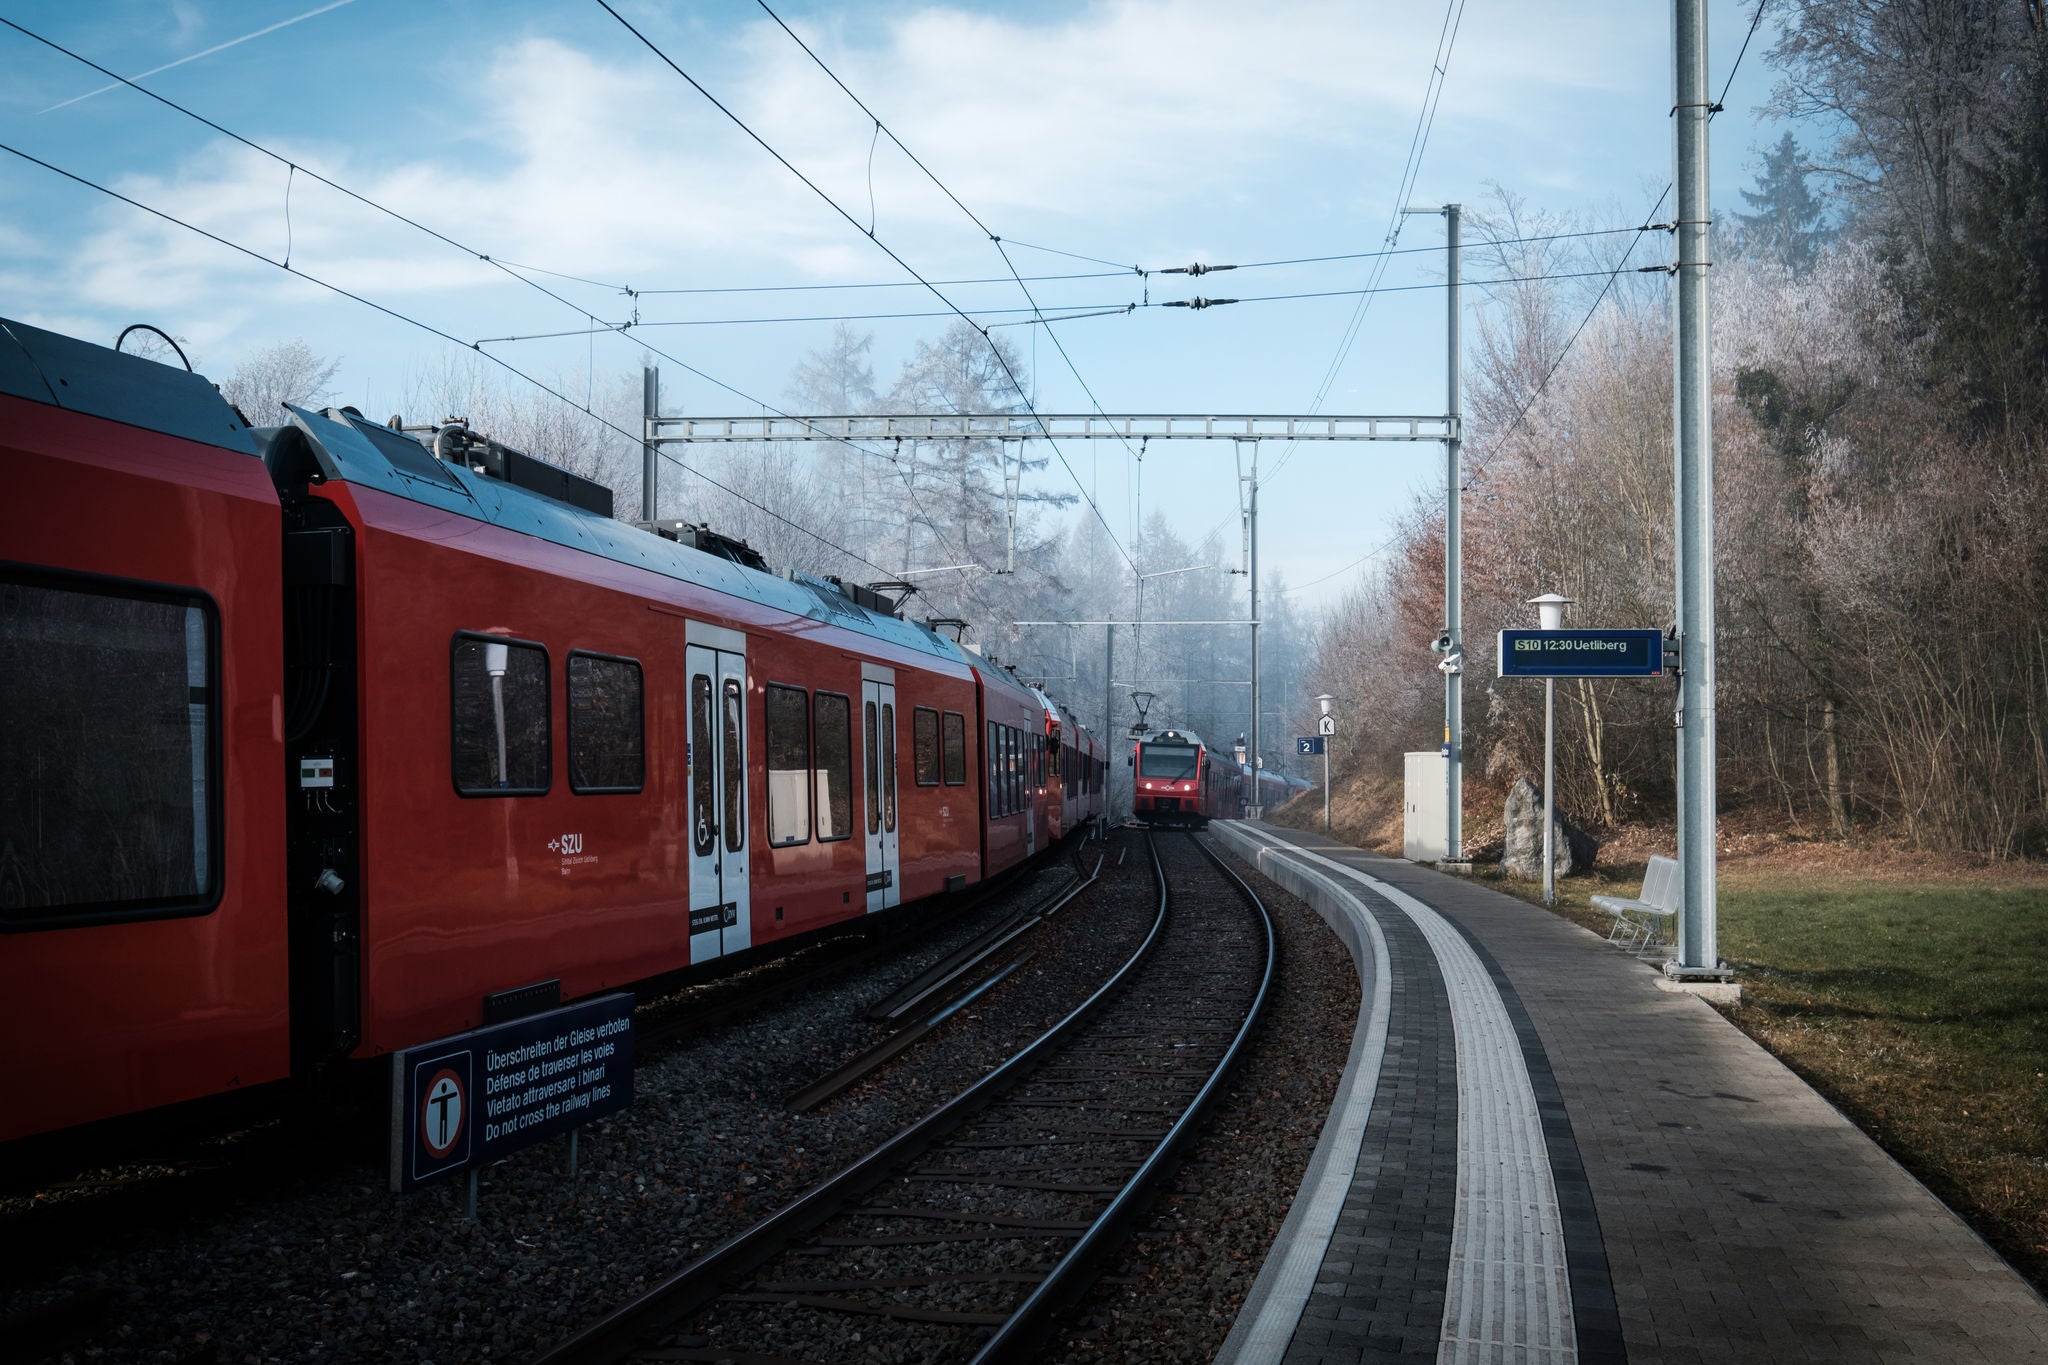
1451,664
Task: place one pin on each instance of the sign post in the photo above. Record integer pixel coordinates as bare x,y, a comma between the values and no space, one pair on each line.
462,1101
1326,725
1552,653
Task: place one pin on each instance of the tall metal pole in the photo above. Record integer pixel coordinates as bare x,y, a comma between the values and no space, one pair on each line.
1549,790
1108,718
1694,522
1454,475
1256,766
1326,786
650,453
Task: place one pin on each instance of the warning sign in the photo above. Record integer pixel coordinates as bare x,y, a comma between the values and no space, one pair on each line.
482,1095
442,1114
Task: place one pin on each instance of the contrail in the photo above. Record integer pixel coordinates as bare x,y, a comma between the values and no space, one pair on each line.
221,47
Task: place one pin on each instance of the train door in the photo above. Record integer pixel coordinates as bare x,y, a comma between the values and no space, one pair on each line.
720,922
878,731
1031,748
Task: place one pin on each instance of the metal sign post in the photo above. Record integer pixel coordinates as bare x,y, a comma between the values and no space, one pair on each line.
1550,614
461,1102
1552,653
1326,725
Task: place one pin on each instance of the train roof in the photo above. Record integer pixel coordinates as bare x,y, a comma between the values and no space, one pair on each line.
84,377
367,455
1172,737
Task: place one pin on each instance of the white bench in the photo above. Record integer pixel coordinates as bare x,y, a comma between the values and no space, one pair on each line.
1639,920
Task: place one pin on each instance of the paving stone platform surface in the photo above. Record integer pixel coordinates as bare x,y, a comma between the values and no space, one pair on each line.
1740,1217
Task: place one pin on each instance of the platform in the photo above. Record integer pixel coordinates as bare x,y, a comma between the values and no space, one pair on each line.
1537,1155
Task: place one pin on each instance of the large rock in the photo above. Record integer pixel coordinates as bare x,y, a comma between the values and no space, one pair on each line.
1572,849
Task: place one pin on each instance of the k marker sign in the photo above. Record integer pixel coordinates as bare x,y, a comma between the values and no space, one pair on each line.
1581,653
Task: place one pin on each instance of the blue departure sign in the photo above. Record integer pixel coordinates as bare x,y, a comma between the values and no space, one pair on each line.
1581,653
1308,744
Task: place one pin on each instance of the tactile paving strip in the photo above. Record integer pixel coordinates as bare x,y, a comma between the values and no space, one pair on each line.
1505,1292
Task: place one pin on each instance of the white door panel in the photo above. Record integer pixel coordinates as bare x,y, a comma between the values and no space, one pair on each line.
878,790
717,784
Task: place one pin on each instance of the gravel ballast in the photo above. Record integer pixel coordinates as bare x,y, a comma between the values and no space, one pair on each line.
333,1267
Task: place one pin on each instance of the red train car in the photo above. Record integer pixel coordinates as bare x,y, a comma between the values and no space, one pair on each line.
1178,780
335,747
143,954
1073,761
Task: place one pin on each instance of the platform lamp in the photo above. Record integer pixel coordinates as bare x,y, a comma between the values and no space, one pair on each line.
1549,616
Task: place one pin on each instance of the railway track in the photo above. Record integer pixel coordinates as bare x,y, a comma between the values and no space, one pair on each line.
963,1237
723,1001
924,1004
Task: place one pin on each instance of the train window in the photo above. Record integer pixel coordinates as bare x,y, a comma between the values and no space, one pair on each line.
833,782
703,766
789,765
1172,762
735,732
871,760
888,768
955,748
110,743
924,746
499,691
1002,761
1013,767
605,731
1006,802
994,806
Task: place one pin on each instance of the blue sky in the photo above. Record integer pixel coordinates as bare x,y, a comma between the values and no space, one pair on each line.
1147,132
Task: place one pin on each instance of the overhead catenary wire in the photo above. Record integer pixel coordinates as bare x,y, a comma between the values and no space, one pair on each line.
297,169
1754,20
1119,273
1454,16
432,330
1038,313
510,268
1652,226
884,247
1389,543
1598,299
1411,170
997,240
645,324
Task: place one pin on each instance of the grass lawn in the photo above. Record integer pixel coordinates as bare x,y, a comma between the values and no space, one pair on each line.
1918,1006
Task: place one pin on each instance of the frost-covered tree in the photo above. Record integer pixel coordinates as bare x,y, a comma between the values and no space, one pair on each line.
271,376
1786,219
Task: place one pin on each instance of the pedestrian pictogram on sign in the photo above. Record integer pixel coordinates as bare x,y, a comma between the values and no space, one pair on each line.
433,1107
481,1095
441,1115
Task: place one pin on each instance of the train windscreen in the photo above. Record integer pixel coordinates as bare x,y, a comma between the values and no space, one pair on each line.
1167,762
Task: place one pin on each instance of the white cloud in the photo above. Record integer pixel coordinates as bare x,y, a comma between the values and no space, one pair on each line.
1140,128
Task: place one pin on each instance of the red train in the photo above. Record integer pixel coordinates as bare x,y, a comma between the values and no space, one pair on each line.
315,745
1179,781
